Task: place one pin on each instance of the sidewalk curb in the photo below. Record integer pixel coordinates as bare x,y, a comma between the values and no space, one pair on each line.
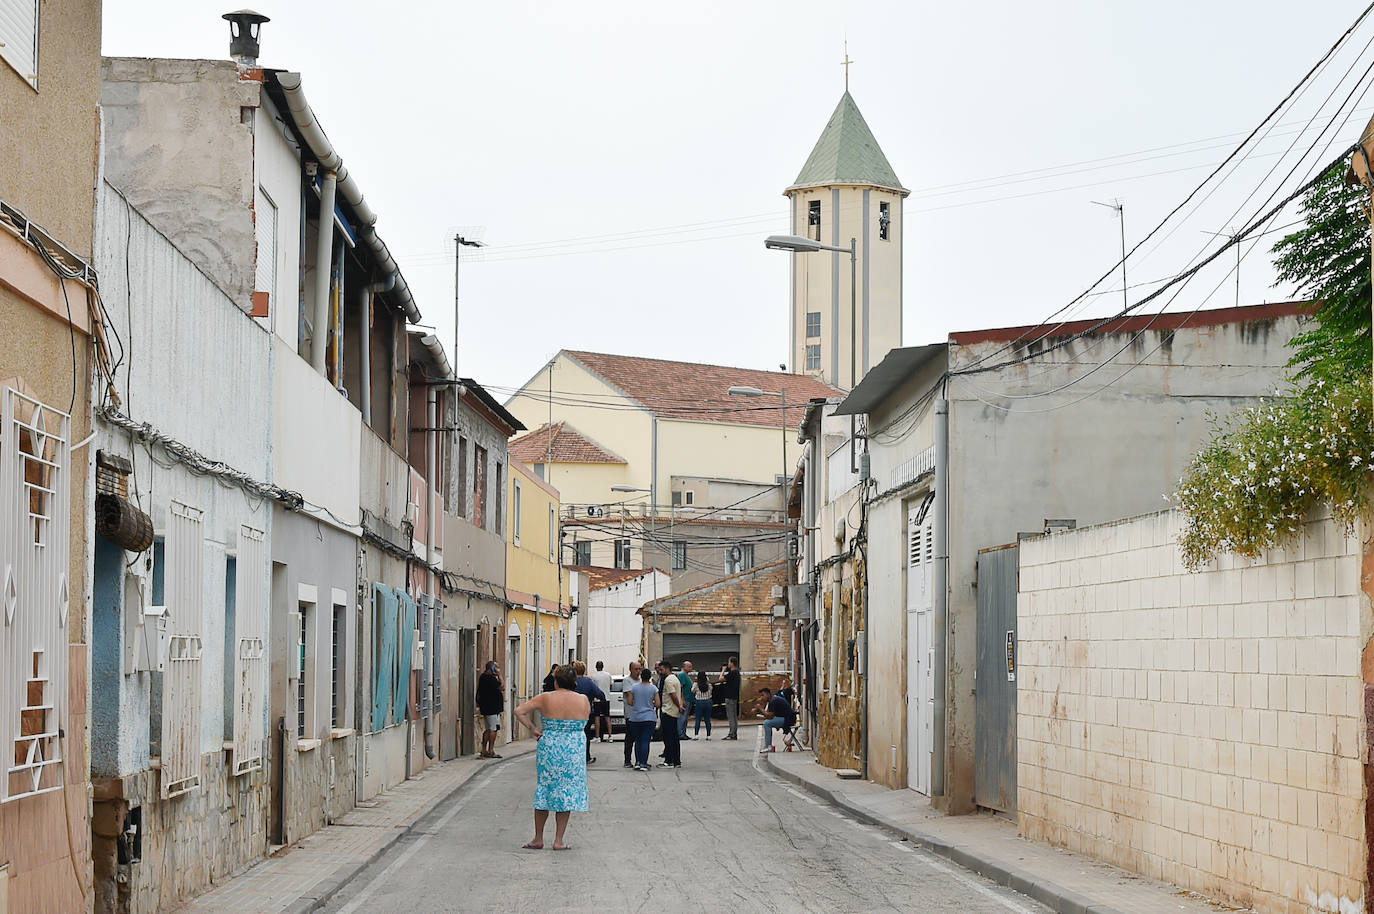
1024,881
323,893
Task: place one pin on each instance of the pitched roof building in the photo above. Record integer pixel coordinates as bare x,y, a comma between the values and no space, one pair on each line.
560,443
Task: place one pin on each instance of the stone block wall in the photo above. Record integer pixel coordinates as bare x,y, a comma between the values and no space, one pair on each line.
1203,728
187,843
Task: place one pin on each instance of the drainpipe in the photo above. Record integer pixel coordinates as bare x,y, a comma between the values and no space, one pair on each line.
940,584
365,356
431,458
324,261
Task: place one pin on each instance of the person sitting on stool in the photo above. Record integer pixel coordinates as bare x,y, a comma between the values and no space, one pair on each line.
778,715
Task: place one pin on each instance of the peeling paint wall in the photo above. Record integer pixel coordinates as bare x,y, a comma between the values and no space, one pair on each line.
1204,728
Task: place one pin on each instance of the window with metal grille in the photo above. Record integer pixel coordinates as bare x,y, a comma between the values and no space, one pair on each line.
884,221
679,556
19,21
813,220
34,559
302,690
248,638
813,357
622,553
179,749
336,667
582,552
813,324
479,487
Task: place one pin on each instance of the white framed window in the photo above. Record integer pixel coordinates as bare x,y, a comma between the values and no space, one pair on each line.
19,37
622,553
813,324
813,357
265,226
34,597
679,556
184,553
515,503
739,557
250,635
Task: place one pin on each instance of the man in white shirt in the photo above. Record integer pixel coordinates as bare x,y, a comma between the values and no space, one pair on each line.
603,707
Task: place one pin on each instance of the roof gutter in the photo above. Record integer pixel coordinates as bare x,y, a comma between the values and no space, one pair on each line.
436,352
346,187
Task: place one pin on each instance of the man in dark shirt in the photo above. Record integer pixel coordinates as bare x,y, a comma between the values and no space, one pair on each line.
491,701
729,691
585,686
778,714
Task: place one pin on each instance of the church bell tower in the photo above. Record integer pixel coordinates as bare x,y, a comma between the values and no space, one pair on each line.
846,190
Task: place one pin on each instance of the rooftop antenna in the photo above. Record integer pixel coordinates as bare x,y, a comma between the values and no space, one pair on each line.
460,242
1232,236
1120,208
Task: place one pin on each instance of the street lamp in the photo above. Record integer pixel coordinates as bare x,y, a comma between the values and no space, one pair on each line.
798,244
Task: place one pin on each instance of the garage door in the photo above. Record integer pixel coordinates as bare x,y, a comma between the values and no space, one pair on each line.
707,650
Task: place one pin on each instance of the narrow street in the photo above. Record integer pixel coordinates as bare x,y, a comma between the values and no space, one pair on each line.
741,840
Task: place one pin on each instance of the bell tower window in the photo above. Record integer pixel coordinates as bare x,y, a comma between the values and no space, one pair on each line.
813,220
884,222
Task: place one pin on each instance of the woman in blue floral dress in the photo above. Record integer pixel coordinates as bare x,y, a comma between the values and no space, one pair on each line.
561,756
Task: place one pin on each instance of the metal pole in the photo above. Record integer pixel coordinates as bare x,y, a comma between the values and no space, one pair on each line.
457,256
940,584
1121,212
853,347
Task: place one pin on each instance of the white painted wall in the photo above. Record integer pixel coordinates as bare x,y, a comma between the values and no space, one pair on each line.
315,435
614,629
278,169
1200,728
195,369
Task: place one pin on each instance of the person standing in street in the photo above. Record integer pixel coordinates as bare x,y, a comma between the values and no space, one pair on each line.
491,701
684,678
585,686
729,680
701,703
602,708
671,707
548,680
635,668
641,710
561,785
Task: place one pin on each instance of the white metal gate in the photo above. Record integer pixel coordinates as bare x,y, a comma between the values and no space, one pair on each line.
920,553
181,711
250,631
35,550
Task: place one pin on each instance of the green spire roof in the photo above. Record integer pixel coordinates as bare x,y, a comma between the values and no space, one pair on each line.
847,153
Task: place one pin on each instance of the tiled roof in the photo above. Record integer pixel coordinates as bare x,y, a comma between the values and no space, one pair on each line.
689,390
847,153
599,577
569,446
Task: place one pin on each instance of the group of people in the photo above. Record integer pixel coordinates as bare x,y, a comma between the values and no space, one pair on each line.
669,701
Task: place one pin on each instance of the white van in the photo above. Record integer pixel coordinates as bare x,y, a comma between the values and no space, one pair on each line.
616,699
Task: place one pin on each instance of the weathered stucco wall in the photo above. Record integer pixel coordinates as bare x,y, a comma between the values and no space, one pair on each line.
49,144
1200,728
177,145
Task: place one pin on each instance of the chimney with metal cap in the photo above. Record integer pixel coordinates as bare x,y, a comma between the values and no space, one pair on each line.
244,26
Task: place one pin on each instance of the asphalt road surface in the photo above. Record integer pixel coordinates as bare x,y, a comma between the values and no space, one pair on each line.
721,834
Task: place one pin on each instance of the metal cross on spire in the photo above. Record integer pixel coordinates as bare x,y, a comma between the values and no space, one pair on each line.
845,63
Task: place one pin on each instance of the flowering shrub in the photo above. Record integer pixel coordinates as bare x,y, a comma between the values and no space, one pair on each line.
1267,466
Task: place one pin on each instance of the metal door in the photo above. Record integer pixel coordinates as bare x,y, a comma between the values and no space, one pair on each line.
920,549
995,728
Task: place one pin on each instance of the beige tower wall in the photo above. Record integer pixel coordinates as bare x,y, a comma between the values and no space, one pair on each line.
821,281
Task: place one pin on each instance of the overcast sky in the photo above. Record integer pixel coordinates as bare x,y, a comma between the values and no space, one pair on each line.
624,160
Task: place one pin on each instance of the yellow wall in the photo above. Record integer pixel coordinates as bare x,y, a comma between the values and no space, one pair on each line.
685,448
530,567
530,673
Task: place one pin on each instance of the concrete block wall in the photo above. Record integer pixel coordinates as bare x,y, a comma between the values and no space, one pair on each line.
1202,728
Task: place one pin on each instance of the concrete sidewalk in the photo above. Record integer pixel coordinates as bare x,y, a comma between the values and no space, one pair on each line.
303,876
989,845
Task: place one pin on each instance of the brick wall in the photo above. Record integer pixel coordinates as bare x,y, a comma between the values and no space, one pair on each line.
741,603
1200,728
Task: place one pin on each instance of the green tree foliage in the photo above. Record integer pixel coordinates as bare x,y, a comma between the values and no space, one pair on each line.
1265,468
